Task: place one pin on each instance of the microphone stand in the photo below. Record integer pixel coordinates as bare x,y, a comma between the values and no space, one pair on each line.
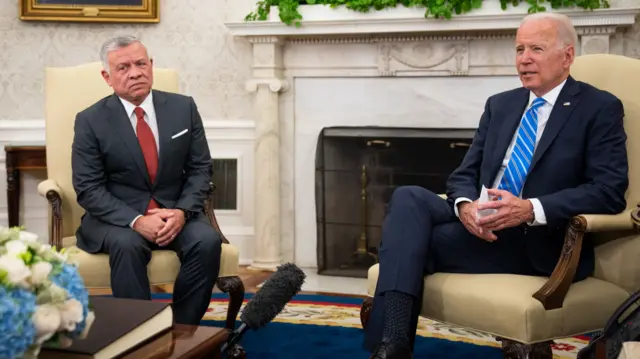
231,346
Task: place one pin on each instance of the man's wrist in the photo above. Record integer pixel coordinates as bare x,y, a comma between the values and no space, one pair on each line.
187,215
531,213
458,203
133,222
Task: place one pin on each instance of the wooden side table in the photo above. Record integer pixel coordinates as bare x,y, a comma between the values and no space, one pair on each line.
21,157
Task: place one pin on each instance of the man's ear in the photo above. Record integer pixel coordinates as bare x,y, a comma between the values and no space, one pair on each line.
106,77
569,55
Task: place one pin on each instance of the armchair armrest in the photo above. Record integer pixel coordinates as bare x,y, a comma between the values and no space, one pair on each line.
52,192
553,292
209,210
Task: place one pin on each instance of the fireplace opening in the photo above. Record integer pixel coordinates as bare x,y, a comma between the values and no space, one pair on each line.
357,170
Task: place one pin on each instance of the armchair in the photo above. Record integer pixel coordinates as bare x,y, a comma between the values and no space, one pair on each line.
527,313
68,91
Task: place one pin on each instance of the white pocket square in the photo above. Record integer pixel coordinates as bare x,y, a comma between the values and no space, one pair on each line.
179,134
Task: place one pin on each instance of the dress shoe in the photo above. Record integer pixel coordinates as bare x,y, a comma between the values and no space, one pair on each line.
387,350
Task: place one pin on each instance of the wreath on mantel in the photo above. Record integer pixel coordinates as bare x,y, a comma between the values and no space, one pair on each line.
437,8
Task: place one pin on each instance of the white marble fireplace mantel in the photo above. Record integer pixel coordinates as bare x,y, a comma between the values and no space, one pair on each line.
386,68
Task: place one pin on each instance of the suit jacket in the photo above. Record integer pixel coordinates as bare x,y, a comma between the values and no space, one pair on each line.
579,167
109,172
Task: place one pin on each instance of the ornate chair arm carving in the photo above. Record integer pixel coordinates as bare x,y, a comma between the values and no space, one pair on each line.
209,211
553,292
51,191
635,217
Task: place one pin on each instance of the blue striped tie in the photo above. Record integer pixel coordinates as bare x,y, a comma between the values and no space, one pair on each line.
522,154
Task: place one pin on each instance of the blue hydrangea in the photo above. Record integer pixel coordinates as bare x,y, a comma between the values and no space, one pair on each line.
69,279
17,331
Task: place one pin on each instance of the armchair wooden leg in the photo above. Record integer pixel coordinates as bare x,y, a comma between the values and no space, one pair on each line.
365,311
515,350
235,288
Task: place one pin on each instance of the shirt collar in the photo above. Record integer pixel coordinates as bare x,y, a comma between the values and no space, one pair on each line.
550,97
146,105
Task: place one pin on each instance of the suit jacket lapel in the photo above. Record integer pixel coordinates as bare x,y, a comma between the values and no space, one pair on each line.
559,116
513,114
122,123
164,131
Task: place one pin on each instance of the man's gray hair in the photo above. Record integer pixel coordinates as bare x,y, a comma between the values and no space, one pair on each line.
566,31
116,43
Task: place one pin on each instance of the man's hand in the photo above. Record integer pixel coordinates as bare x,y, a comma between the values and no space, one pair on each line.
511,211
173,225
150,225
467,212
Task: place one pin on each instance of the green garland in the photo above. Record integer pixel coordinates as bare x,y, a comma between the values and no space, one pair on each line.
437,8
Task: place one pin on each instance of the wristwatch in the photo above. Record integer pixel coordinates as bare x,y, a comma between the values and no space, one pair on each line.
188,215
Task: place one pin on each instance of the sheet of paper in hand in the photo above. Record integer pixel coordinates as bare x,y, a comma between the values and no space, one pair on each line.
484,198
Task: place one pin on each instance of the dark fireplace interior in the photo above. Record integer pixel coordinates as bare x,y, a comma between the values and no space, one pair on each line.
357,169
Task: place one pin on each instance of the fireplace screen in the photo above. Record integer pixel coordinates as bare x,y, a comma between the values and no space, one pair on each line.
357,169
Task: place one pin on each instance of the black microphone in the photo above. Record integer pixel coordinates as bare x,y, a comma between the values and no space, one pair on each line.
269,301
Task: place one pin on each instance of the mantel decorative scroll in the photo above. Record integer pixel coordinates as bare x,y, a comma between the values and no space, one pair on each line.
424,58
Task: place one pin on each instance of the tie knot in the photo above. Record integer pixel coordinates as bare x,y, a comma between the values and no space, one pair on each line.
538,102
139,113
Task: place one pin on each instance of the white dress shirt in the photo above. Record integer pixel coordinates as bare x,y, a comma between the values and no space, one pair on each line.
544,112
149,118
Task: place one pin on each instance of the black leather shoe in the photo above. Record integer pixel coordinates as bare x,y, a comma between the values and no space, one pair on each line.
386,350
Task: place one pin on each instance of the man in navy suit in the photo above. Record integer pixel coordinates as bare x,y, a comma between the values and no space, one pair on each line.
141,170
550,150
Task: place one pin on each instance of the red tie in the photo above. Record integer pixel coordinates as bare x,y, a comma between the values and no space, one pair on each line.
149,149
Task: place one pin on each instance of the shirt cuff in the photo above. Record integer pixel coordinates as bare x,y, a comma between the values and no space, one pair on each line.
539,218
134,220
458,200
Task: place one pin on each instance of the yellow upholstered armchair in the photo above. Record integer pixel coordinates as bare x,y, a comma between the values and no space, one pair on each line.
527,313
68,91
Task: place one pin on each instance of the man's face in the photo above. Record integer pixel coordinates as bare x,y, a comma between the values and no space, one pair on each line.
130,72
541,60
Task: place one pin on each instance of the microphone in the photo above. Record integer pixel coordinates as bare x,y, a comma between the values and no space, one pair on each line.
269,301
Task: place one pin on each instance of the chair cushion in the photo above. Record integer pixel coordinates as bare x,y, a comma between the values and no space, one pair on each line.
502,305
162,269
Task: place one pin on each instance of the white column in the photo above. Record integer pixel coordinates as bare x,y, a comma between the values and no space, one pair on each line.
267,83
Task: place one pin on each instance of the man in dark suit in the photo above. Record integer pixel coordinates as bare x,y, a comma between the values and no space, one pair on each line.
141,170
550,150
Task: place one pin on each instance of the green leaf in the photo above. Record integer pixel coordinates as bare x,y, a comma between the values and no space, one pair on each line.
433,8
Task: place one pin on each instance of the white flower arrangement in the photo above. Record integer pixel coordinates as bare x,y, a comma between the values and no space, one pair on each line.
43,300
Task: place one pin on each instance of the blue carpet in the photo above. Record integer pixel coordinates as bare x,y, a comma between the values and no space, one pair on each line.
288,341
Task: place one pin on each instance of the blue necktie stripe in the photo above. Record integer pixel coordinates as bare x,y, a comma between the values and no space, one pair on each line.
522,153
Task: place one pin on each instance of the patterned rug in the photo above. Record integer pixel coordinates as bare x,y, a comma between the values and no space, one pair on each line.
324,325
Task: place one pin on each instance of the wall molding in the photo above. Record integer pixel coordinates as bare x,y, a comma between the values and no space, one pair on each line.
227,138
33,131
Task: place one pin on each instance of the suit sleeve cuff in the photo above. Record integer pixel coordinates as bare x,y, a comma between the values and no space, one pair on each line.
134,220
539,218
458,200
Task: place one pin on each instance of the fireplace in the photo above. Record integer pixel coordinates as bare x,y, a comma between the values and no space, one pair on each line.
357,170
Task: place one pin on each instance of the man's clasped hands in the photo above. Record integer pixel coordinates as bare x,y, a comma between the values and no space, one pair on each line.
510,211
160,225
